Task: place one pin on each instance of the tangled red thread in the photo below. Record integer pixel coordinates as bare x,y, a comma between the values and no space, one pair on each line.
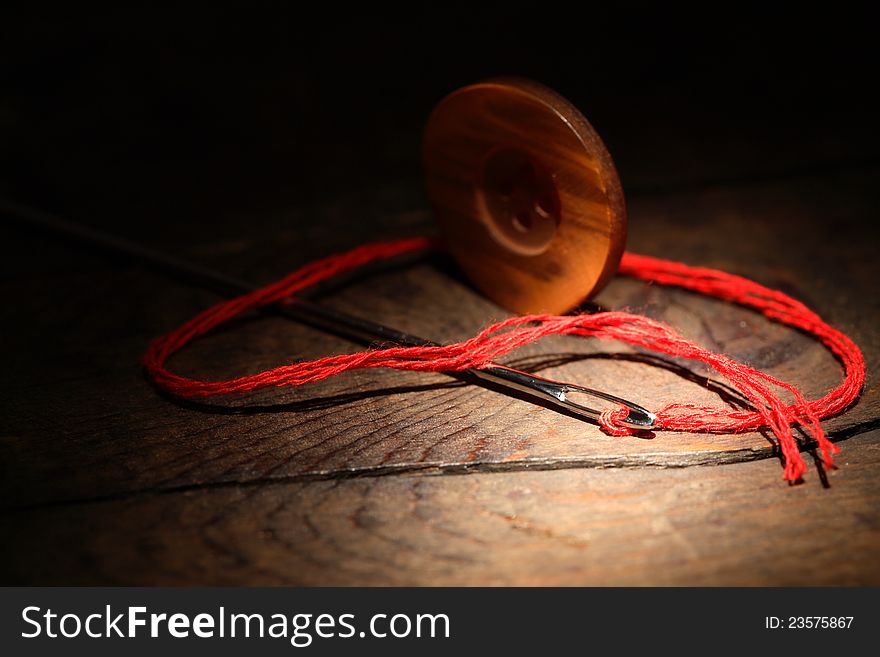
768,411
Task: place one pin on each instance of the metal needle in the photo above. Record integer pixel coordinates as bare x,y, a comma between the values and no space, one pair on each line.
558,395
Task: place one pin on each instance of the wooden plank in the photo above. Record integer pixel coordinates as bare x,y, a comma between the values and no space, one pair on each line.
81,422
732,525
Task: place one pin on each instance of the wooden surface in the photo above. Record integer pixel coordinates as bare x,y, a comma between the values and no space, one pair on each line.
525,193
387,477
706,525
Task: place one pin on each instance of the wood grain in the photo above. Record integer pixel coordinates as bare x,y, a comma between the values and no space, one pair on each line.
82,423
736,525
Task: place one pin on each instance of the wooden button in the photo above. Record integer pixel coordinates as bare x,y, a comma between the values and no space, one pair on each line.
526,194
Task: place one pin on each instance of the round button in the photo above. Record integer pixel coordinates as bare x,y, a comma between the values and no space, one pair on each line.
525,193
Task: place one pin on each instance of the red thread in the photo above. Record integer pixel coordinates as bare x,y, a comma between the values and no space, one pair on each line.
769,411
610,421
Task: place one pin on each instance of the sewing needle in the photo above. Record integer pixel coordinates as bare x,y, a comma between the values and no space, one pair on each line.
558,395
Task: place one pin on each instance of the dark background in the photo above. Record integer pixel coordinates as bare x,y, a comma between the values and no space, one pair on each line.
195,119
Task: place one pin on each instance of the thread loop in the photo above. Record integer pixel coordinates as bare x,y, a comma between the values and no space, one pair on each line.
610,421
763,391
